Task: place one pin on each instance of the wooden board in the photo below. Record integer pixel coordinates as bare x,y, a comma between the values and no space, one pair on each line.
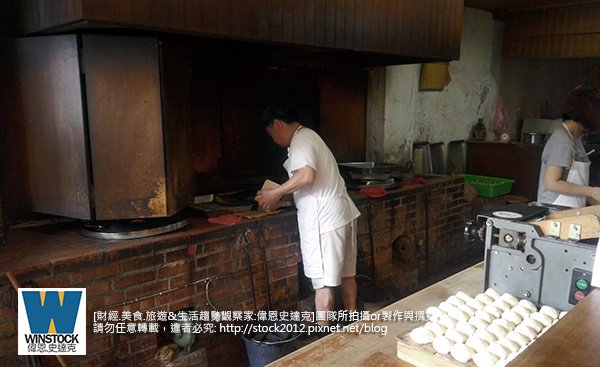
359,349
590,226
573,341
423,355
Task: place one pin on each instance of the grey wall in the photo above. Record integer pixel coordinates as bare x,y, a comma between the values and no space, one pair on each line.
411,115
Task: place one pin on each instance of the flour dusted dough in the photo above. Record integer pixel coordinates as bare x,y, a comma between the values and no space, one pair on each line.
526,331
497,330
462,295
528,305
533,324
484,298
436,328
498,350
493,310
446,306
510,299
475,304
478,323
522,311
477,344
467,309
433,312
485,316
483,334
458,314
447,322
509,344
455,336
521,340
550,311
492,293
465,328
485,359
441,344
501,304
508,325
541,318
421,335
453,300
512,316
461,352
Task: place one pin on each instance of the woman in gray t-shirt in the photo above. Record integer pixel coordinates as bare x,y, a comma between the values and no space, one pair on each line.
564,173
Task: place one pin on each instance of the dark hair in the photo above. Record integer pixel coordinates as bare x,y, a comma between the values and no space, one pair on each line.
287,114
582,105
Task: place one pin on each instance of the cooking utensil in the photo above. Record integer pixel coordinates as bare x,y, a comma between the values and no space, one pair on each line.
533,138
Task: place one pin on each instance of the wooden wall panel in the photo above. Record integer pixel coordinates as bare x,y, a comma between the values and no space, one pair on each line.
558,32
418,28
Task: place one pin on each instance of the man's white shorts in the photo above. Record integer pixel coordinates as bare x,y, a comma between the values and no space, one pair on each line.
338,252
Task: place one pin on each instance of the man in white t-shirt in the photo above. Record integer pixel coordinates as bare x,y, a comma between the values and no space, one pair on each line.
326,214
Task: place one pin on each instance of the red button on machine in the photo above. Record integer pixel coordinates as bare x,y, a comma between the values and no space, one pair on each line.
579,295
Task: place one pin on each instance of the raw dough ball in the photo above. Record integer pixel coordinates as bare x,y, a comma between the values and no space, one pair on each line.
522,311
497,330
446,306
562,314
478,323
526,331
455,336
478,344
528,305
550,311
501,363
433,312
508,325
436,328
485,316
441,344
544,330
541,318
509,344
458,315
485,335
475,304
492,293
461,352
465,328
462,295
533,324
499,350
447,322
484,298
512,316
453,300
520,339
510,299
485,359
421,335
467,309
501,304
493,310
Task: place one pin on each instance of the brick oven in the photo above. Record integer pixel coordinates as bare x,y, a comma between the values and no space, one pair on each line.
405,239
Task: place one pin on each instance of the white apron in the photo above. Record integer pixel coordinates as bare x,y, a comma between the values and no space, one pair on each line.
579,174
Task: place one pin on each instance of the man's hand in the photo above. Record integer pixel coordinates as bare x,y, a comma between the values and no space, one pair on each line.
268,199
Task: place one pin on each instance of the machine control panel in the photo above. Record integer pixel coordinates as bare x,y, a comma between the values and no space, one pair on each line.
580,285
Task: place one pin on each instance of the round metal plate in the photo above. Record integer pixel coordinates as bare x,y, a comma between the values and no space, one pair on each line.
507,215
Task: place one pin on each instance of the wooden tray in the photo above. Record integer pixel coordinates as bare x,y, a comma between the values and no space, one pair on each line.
423,355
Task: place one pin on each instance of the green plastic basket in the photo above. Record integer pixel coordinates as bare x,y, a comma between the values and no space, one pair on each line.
488,186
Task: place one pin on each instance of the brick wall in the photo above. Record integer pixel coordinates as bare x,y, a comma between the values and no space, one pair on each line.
414,235
169,276
409,236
